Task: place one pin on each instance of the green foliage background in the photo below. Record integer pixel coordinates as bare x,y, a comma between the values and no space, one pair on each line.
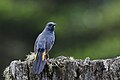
84,28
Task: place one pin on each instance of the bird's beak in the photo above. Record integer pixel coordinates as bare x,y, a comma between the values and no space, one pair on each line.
54,25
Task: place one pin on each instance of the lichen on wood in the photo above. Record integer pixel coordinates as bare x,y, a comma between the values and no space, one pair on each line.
65,68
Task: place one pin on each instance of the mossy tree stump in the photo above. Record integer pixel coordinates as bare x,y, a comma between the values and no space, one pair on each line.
65,68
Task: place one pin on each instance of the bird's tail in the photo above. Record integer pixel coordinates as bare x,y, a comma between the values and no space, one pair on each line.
39,63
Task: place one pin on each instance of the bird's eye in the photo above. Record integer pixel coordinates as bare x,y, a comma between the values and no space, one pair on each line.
50,24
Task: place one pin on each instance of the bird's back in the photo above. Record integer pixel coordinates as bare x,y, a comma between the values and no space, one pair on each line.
48,37
40,39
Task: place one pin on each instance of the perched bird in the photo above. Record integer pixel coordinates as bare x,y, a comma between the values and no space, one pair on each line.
42,46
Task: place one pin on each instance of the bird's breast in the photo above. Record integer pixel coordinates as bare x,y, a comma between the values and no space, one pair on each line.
50,42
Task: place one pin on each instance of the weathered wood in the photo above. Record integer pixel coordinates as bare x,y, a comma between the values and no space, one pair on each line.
65,68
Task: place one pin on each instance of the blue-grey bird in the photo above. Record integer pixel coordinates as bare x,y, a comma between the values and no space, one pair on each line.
42,46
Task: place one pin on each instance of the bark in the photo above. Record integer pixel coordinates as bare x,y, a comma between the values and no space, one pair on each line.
65,68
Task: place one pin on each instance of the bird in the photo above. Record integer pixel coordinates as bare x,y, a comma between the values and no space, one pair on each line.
42,46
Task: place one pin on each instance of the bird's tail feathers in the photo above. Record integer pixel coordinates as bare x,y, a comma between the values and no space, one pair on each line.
39,63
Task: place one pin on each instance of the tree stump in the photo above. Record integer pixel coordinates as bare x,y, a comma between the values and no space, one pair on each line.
65,68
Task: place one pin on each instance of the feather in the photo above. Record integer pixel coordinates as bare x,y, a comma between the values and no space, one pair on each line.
38,64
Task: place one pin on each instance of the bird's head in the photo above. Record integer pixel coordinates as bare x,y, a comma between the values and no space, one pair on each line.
50,26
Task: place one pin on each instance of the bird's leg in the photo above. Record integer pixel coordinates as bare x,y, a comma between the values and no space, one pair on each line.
47,58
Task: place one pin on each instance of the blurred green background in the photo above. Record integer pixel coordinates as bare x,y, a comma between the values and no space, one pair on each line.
84,28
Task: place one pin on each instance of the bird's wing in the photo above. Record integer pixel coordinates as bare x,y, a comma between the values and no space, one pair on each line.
40,47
